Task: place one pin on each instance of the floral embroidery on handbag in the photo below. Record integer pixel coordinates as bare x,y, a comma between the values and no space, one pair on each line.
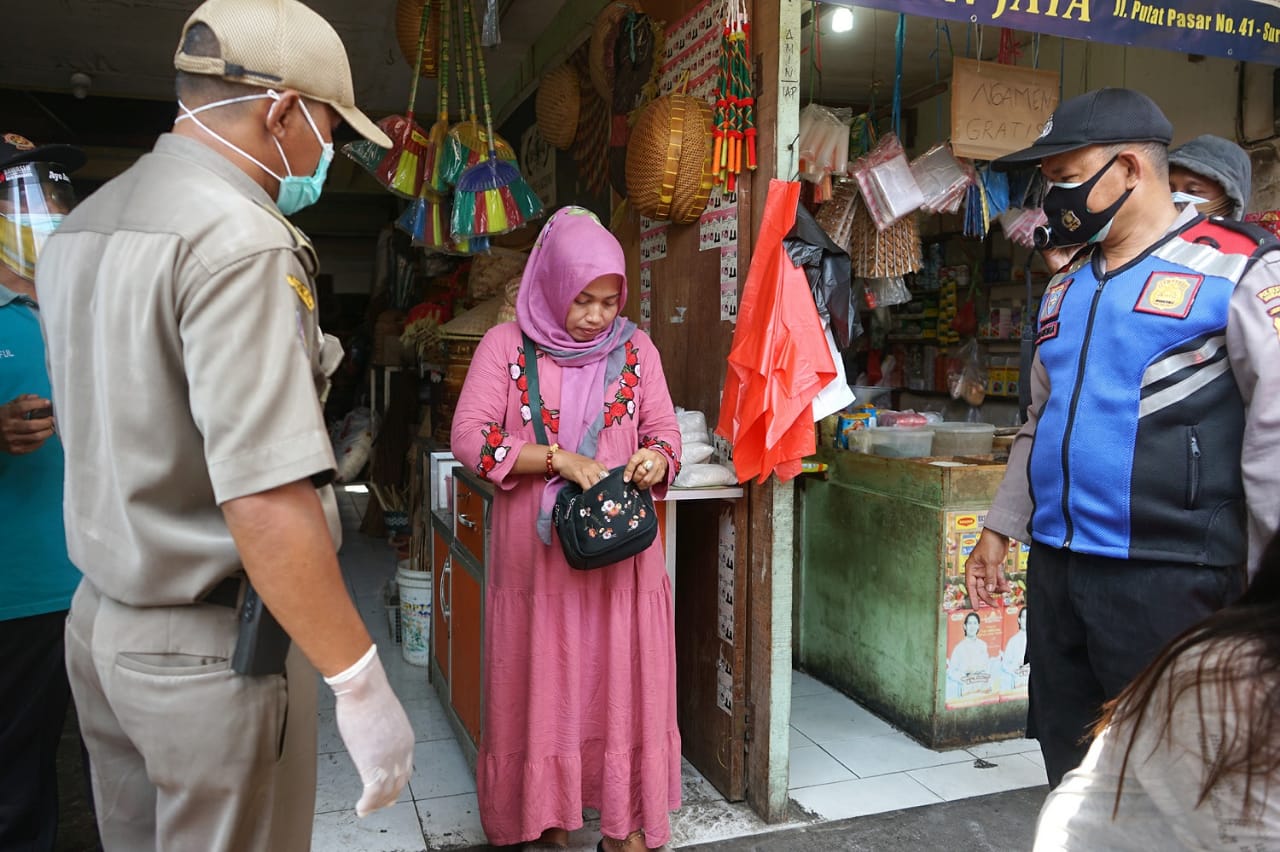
612,514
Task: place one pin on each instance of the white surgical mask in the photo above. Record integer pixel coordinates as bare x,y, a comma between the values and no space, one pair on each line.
295,192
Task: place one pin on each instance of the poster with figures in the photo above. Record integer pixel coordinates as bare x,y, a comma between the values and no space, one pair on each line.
724,683
729,284
646,297
726,555
691,54
985,646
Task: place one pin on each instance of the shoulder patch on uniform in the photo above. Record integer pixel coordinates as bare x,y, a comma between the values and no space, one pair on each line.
1274,313
303,291
1169,294
1048,332
1270,294
1051,306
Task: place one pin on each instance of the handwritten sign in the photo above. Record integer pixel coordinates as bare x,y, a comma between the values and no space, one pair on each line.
998,109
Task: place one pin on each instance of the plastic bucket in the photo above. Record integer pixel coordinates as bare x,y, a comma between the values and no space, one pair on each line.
415,615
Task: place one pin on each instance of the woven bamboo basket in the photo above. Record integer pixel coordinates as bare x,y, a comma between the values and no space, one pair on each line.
408,21
557,104
669,170
604,37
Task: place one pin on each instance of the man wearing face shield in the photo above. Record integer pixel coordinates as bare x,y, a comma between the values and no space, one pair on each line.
188,370
1145,475
36,577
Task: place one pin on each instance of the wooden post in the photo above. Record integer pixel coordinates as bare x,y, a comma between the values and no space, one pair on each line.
776,34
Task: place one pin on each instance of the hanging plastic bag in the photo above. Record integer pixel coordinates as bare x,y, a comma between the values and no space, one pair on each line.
941,178
490,35
966,376
884,178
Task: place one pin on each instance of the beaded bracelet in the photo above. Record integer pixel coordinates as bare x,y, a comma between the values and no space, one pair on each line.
551,451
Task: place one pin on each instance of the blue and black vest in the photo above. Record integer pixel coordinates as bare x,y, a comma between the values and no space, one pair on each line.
1137,449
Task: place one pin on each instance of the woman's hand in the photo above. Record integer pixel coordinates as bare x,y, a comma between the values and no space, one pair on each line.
579,469
645,468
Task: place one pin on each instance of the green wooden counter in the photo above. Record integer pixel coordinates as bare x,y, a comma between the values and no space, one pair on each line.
882,613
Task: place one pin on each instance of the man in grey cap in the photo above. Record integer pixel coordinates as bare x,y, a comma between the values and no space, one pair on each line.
1213,173
1145,475
187,369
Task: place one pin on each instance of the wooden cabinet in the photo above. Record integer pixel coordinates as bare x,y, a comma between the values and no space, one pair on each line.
459,550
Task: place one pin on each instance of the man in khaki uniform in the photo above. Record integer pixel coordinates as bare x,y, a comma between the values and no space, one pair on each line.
185,356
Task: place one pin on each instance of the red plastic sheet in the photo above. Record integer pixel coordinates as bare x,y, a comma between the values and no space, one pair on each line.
779,360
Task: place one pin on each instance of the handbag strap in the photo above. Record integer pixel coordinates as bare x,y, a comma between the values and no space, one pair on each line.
535,394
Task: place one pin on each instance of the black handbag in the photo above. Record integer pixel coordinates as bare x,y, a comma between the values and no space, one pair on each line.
607,523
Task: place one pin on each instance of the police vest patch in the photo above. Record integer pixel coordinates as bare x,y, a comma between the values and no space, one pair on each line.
1270,294
303,291
1169,294
1051,306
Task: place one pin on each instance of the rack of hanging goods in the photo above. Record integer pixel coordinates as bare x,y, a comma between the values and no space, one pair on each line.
735,101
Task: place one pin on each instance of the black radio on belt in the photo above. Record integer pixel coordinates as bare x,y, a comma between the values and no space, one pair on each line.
262,644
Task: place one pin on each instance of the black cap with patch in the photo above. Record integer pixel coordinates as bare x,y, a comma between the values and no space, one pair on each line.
16,150
1100,117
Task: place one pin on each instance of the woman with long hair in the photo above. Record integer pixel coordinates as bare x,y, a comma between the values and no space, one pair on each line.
1188,755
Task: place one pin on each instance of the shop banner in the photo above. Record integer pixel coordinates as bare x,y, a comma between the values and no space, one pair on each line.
998,109
1244,30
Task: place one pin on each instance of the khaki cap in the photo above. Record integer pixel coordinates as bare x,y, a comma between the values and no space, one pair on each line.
279,44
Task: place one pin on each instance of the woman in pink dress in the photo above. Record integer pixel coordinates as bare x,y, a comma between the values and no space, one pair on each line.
579,666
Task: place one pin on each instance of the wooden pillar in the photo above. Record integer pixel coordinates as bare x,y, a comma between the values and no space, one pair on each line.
776,34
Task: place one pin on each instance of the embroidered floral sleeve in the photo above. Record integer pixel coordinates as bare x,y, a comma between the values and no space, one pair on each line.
493,450
648,442
624,401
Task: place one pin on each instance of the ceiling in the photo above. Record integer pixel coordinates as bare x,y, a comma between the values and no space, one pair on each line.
126,47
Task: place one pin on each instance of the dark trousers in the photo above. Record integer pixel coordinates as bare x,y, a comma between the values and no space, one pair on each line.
33,706
1093,624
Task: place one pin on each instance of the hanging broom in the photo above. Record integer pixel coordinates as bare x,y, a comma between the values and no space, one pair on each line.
433,167
400,168
492,197
470,141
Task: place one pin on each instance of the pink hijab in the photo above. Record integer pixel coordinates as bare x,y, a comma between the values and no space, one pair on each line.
573,250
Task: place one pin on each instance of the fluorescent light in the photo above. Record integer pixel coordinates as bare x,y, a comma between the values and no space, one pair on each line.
355,489
842,20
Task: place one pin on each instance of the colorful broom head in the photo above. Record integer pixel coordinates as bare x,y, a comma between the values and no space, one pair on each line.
468,145
492,198
433,173
379,162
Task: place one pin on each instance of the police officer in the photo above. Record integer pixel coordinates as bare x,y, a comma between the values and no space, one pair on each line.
1145,475
185,359
36,577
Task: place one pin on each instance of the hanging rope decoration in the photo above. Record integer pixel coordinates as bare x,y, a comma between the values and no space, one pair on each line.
735,100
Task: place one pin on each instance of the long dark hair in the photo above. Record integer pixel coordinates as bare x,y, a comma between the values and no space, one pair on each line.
1242,675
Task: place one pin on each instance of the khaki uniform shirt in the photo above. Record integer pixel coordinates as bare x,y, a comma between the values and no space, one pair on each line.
186,364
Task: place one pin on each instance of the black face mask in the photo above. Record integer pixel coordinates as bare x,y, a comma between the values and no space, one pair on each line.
1071,222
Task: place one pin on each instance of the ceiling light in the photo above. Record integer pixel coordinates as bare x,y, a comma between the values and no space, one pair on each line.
841,20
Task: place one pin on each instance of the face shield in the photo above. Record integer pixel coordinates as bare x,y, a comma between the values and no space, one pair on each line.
33,199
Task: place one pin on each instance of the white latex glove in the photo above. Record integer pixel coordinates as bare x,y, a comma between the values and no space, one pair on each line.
375,731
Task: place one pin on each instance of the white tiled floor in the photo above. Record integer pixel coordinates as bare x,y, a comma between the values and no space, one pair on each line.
845,761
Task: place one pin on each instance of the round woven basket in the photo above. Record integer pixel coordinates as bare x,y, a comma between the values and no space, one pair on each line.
408,22
604,37
557,104
490,272
669,172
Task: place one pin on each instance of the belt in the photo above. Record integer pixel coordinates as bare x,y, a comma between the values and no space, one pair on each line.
226,593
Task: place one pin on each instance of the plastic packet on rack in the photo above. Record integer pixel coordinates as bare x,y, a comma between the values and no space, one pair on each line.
888,187
966,377
705,476
942,179
693,426
823,143
886,292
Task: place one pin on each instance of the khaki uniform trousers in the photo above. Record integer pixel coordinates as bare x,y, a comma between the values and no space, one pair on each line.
186,754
